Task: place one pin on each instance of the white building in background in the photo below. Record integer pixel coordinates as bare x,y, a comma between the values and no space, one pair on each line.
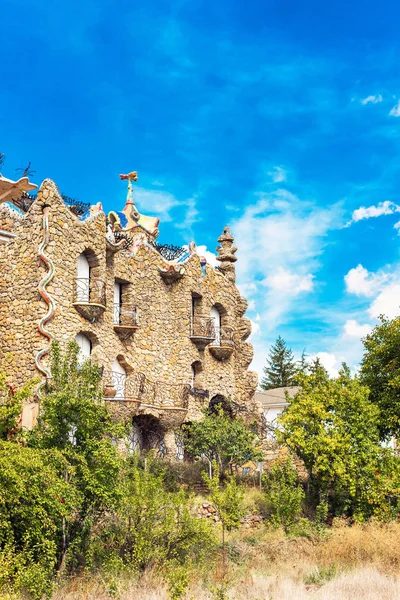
274,401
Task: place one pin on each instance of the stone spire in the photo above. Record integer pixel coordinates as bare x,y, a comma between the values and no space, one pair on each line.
226,254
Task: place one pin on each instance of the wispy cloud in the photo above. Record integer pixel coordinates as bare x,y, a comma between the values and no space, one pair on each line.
293,284
368,212
277,174
395,112
280,239
372,99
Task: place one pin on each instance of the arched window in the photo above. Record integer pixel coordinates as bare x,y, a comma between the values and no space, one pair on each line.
83,280
85,347
216,316
117,301
118,380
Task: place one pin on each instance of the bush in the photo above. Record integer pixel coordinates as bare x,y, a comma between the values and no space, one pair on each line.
35,498
152,527
284,493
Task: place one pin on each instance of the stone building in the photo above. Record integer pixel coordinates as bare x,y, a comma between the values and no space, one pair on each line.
167,328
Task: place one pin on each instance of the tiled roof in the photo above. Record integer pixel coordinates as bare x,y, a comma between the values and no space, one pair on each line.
276,395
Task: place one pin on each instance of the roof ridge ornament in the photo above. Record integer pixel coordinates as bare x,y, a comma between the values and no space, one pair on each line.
132,176
12,190
226,254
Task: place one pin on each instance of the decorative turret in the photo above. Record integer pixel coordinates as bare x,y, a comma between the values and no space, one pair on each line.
226,254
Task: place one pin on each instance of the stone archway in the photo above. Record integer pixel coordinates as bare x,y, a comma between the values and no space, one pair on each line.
147,434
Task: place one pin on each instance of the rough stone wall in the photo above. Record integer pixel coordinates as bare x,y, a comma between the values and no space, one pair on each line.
160,348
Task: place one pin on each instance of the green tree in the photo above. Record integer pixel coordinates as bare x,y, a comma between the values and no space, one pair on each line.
75,420
219,437
228,501
35,500
333,427
281,367
284,492
11,403
380,371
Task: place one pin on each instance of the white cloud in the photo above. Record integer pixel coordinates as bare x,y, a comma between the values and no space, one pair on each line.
190,217
277,174
384,208
387,302
290,283
373,99
330,361
209,256
255,329
155,202
280,239
361,282
395,112
354,329
397,226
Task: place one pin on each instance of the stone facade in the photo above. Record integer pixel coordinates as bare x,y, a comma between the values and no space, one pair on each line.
164,358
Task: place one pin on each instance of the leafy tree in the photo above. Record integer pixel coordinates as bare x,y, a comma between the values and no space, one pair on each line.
281,367
380,371
333,427
316,367
75,420
11,402
153,527
303,364
221,438
227,500
35,500
284,493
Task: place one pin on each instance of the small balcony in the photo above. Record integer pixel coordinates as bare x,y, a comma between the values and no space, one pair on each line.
90,297
125,319
137,391
202,331
223,344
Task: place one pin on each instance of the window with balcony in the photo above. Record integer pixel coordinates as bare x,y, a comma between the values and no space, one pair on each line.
118,379
201,325
90,290
223,344
125,315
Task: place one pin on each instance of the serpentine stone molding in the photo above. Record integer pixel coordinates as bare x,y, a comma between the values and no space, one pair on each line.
47,298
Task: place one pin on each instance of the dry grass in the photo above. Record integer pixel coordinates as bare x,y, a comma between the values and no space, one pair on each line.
366,583
353,562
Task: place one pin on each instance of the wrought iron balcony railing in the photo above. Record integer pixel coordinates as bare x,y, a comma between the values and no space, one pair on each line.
90,291
203,327
137,388
125,315
224,336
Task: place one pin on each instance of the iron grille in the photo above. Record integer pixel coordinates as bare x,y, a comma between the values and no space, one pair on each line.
224,336
76,206
125,315
136,387
168,251
90,291
203,327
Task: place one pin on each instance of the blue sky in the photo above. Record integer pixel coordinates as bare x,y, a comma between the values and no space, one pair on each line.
279,118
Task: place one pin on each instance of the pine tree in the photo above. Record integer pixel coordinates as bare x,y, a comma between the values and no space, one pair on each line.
281,367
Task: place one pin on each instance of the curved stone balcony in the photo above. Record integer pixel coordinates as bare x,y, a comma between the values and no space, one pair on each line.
125,319
202,331
90,297
223,345
137,390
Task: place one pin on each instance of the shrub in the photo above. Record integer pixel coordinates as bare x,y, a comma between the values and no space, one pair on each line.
284,493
